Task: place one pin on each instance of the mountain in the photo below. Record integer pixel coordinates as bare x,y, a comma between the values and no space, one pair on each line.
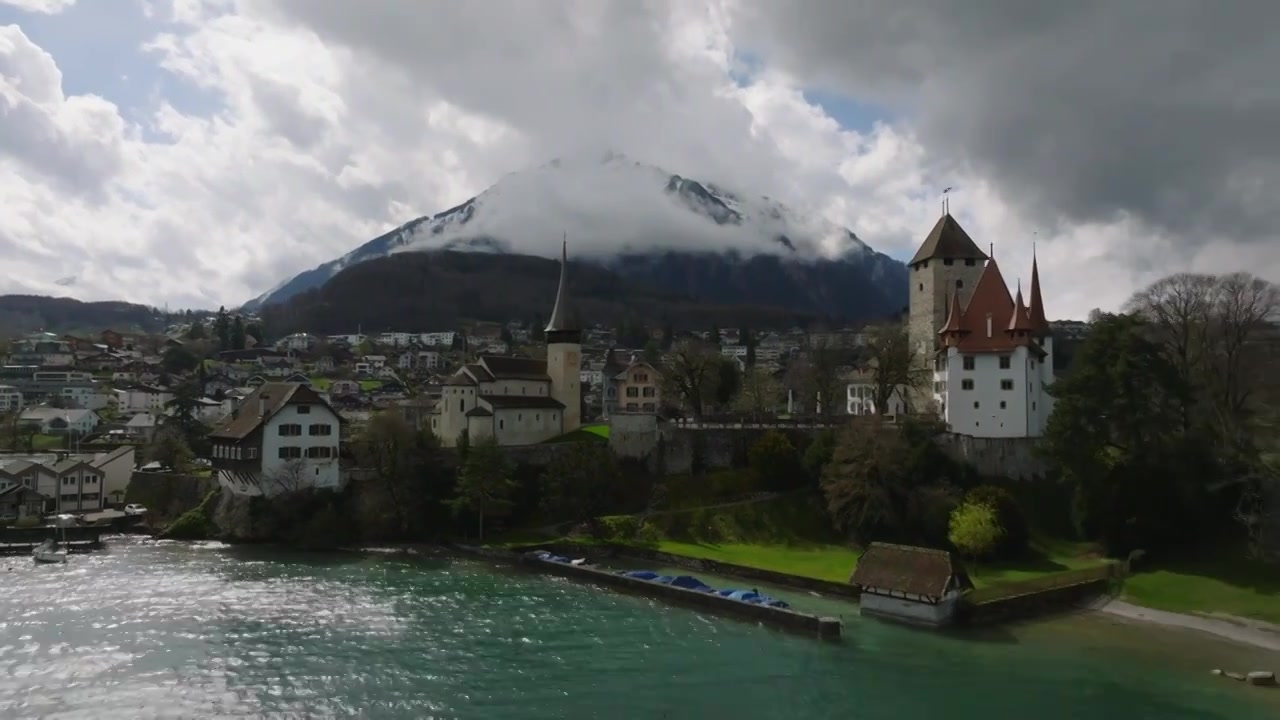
30,313
418,292
654,229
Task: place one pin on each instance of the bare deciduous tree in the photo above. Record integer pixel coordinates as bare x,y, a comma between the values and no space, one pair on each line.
760,393
821,377
692,373
894,364
287,479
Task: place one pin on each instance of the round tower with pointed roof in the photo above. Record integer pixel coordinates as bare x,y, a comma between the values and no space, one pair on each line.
945,268
564,351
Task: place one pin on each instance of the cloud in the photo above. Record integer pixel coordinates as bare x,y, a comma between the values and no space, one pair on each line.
1161,112
46,7
279,134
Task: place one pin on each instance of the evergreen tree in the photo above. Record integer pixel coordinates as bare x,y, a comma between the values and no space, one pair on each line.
222,329
237,334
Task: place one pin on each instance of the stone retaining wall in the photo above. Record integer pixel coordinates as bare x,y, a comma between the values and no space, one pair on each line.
824,628
1034,604
797,582
167,495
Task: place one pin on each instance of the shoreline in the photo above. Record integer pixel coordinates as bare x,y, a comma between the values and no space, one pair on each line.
1243,631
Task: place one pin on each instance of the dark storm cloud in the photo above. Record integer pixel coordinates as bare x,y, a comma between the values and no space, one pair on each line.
1165,109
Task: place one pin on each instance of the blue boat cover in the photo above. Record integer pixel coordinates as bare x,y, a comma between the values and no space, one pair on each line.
689,582
640,574
664,579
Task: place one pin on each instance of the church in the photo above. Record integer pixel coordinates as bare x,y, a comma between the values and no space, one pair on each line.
991,351
518,401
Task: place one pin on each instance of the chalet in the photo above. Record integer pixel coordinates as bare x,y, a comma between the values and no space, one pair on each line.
636,389
18,502
283,437
79,485
340,388
908,584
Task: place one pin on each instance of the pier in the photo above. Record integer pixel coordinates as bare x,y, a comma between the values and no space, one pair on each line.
824,628
15,541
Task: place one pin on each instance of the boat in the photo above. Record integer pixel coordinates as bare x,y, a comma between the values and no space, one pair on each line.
50,551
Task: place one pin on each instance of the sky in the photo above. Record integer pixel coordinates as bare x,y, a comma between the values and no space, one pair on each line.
194,153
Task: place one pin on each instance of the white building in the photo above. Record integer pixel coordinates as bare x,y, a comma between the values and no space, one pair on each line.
861,400
142,398
10,398
283,437
518,401
300,342
59,421
996,363
437,339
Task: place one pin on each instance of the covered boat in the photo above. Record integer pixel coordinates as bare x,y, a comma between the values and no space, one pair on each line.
50,551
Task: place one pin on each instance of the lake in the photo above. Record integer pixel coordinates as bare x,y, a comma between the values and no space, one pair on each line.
168,630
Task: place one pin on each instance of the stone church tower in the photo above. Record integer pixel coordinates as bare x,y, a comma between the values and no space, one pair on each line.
564,351
946,266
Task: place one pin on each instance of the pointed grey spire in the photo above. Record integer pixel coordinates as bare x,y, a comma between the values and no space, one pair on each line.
560,314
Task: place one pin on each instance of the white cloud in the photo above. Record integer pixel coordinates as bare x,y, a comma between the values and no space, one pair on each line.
46,7
335,121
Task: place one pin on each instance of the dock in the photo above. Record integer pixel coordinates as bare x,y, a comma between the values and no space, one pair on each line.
15,541
823,628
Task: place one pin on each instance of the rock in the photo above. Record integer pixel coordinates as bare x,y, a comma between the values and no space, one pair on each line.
1235,676
1262,677
1215,671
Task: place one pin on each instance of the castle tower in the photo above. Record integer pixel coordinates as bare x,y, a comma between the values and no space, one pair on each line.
946,267
564,351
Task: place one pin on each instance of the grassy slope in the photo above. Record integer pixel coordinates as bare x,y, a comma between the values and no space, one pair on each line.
1222,582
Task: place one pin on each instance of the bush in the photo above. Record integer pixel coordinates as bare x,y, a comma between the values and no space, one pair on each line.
974,530
1009,516
196,523
774,461
819,453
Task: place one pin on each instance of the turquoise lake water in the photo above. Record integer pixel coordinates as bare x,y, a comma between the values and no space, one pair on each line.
166,630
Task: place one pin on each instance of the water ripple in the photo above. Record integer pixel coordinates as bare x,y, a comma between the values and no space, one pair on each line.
171,630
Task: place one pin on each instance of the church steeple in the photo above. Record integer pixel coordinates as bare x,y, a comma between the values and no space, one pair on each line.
1039,323
560,327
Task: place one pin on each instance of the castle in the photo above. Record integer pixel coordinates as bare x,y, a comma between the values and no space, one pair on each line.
518,401
991,353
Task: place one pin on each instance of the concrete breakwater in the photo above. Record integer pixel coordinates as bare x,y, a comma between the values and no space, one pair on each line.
796,582
824,628
1073,590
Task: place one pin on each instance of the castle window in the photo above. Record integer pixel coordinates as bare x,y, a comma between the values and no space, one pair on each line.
966,384
968,362
921,287
519,417
959,284
1003,405
970,262
976,404
462,405
948,262
502,424
1033,404
1006,384
1005,362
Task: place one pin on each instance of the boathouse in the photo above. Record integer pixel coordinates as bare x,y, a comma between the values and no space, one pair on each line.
909,584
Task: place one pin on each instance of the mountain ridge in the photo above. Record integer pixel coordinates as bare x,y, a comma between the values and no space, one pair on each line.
639,220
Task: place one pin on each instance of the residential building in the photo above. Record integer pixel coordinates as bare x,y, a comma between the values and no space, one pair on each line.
143,398
518,401
19,503
992,373
438,339
79,485
300,342
283,437
60,421
638,389
429,360
10,399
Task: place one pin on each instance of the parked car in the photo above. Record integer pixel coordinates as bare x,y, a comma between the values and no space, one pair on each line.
134,509
9,516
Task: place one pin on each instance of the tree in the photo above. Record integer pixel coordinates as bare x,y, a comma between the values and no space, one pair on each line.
728,381
222,329
692,374
196,331
485,485
254,330
760,393
668,336
974,530
406,468
169,448
749,341
821,375
1016,535
581,483
895,365
1117,435
888,482
178,360
652,353
237,335
287,479
774,461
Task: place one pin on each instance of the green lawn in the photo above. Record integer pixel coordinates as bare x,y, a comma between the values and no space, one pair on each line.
596,432
1227,582
367,385
321,383
824,562
47,442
